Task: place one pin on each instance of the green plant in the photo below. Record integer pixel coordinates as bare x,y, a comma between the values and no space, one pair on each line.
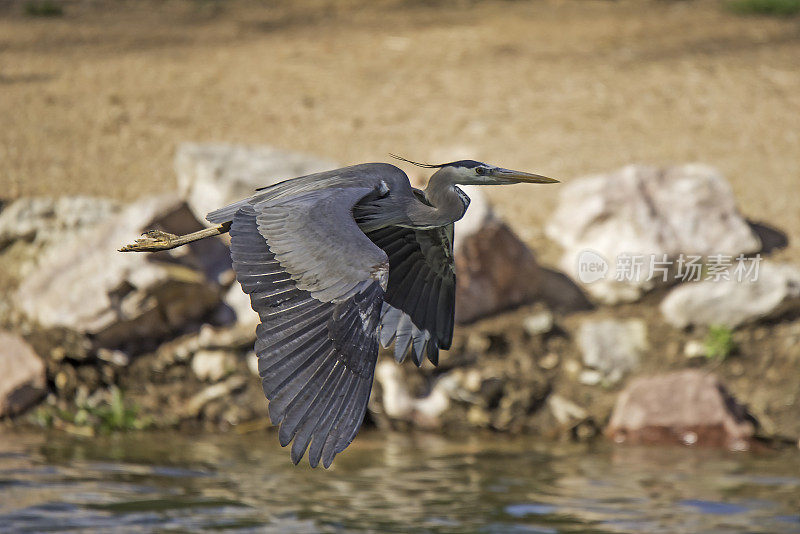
43,8
719,342
778,8
116,415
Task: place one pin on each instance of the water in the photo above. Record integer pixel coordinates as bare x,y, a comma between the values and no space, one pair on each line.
395,483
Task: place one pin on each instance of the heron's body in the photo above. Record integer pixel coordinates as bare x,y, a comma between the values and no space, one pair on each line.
336,263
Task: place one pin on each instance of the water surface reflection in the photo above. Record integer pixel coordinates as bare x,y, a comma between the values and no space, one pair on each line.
396,483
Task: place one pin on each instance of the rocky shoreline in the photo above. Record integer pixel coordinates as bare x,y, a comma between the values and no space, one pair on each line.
100,341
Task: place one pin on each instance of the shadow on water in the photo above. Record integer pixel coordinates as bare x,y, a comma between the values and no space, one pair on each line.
392,482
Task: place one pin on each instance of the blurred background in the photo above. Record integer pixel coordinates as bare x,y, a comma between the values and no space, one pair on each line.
619,404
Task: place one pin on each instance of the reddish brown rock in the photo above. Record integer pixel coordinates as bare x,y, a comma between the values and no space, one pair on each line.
690,407
495,272
22,375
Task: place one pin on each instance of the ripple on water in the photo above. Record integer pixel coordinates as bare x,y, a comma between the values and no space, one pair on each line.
138,482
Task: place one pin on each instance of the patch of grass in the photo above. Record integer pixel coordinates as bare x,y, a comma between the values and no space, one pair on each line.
776,8
44,8
719,343
115,415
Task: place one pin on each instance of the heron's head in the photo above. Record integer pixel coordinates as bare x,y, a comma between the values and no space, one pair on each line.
470,172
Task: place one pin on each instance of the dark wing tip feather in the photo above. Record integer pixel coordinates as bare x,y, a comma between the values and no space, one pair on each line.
421,288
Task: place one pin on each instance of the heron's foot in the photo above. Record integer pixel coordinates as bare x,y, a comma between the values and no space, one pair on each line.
152,240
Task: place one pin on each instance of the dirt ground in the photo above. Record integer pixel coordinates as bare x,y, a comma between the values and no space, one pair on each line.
95,102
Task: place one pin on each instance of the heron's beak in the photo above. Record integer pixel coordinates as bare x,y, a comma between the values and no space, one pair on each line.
521,177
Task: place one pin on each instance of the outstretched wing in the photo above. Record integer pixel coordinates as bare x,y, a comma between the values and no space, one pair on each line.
318,284
420,298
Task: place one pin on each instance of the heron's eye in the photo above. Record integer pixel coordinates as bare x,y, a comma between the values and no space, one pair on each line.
480,170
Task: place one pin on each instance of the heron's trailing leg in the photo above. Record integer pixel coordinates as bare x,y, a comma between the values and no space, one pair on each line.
156,240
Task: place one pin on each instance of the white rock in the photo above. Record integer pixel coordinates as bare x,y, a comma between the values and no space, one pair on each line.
590,377
22,375
612,348
239,302
564,410
44,218
731,302
213,365
694,349
252,363
549,361
211,176
398,404
641,210
84,284
538,323
478,215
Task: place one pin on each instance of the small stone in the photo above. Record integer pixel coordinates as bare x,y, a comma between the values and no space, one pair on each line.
694,349
472,381
564,410
22,375
212,392
252,363
538,323
58,353
62,380
590,377
115,357
213,365
611,347
477,416
549,361
477,343
572,367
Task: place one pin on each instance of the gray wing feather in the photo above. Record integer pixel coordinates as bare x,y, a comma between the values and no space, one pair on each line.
316,240
316,357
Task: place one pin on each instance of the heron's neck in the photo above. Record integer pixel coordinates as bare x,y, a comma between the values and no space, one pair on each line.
448,203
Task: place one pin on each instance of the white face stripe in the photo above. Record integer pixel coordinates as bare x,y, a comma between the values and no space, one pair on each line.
468,175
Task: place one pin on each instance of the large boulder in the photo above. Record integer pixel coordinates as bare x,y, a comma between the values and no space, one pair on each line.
774,289
85,285
213,175
22,375
611,349
603,221
689,407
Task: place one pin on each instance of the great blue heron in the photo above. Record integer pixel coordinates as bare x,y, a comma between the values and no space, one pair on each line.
335,263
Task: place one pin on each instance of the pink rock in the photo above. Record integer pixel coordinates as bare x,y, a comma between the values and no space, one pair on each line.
22,375
689,407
